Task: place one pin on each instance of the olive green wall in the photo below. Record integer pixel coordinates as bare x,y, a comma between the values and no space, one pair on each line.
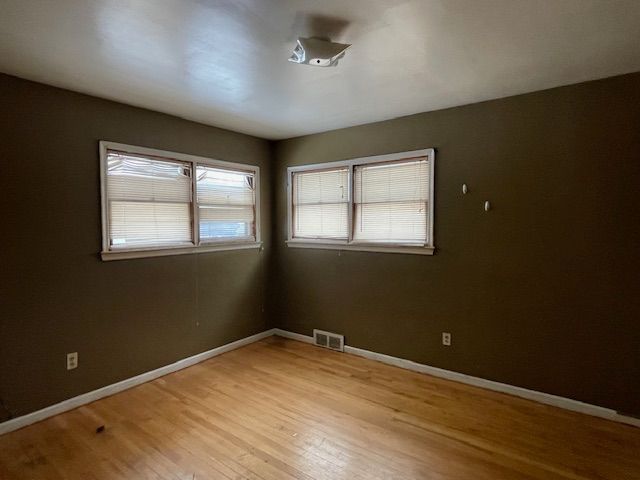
542,292
122,317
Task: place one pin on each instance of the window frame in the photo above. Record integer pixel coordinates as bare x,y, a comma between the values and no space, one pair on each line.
108,253
349,244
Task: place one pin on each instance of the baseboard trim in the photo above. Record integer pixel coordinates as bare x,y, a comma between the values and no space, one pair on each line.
293,335
540,397
66,405
546,398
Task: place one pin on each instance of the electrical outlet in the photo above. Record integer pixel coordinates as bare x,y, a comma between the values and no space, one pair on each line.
72,360
446,339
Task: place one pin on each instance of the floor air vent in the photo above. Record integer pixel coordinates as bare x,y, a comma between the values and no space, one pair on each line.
328,340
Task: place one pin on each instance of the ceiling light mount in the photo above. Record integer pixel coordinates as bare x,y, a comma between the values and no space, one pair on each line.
318,52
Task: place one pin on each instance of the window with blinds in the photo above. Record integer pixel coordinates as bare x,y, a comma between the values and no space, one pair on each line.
154,201
321,204
391,202
382,203
226,204
149,201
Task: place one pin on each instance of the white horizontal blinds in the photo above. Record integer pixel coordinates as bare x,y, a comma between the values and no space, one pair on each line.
149,201
321,204
226,204
391,202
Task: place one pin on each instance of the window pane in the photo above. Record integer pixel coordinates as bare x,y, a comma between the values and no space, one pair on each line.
225,222
327,220
136,224
224,187
321,204
148,201
131,177
391,202
226,204
385,222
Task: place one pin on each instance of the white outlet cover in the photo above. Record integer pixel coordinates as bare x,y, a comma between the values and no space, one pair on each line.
446,338
72,360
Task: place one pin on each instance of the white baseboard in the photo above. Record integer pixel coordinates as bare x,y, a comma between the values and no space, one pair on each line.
292,335
561,402
89,397
546,398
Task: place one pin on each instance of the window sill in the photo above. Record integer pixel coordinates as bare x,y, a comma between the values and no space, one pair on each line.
407,249
163,252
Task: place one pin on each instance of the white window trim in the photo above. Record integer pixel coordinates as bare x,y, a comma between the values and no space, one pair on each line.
329,244
122,254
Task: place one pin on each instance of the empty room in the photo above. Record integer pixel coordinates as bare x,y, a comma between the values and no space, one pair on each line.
318,240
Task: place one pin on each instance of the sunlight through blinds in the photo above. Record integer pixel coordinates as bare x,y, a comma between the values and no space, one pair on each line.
391,202
149,201
226,204
321,204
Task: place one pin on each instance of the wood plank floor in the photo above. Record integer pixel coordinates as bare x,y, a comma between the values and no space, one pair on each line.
280,409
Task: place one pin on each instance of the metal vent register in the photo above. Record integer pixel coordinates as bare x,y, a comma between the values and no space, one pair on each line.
330,340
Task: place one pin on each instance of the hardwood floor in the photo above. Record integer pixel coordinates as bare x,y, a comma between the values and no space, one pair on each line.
280,409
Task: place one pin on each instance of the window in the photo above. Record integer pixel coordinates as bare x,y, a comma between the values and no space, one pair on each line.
382,203
321,204
162,203
226,204
391,201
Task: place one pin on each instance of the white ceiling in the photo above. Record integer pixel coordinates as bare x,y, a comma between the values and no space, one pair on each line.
224,62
